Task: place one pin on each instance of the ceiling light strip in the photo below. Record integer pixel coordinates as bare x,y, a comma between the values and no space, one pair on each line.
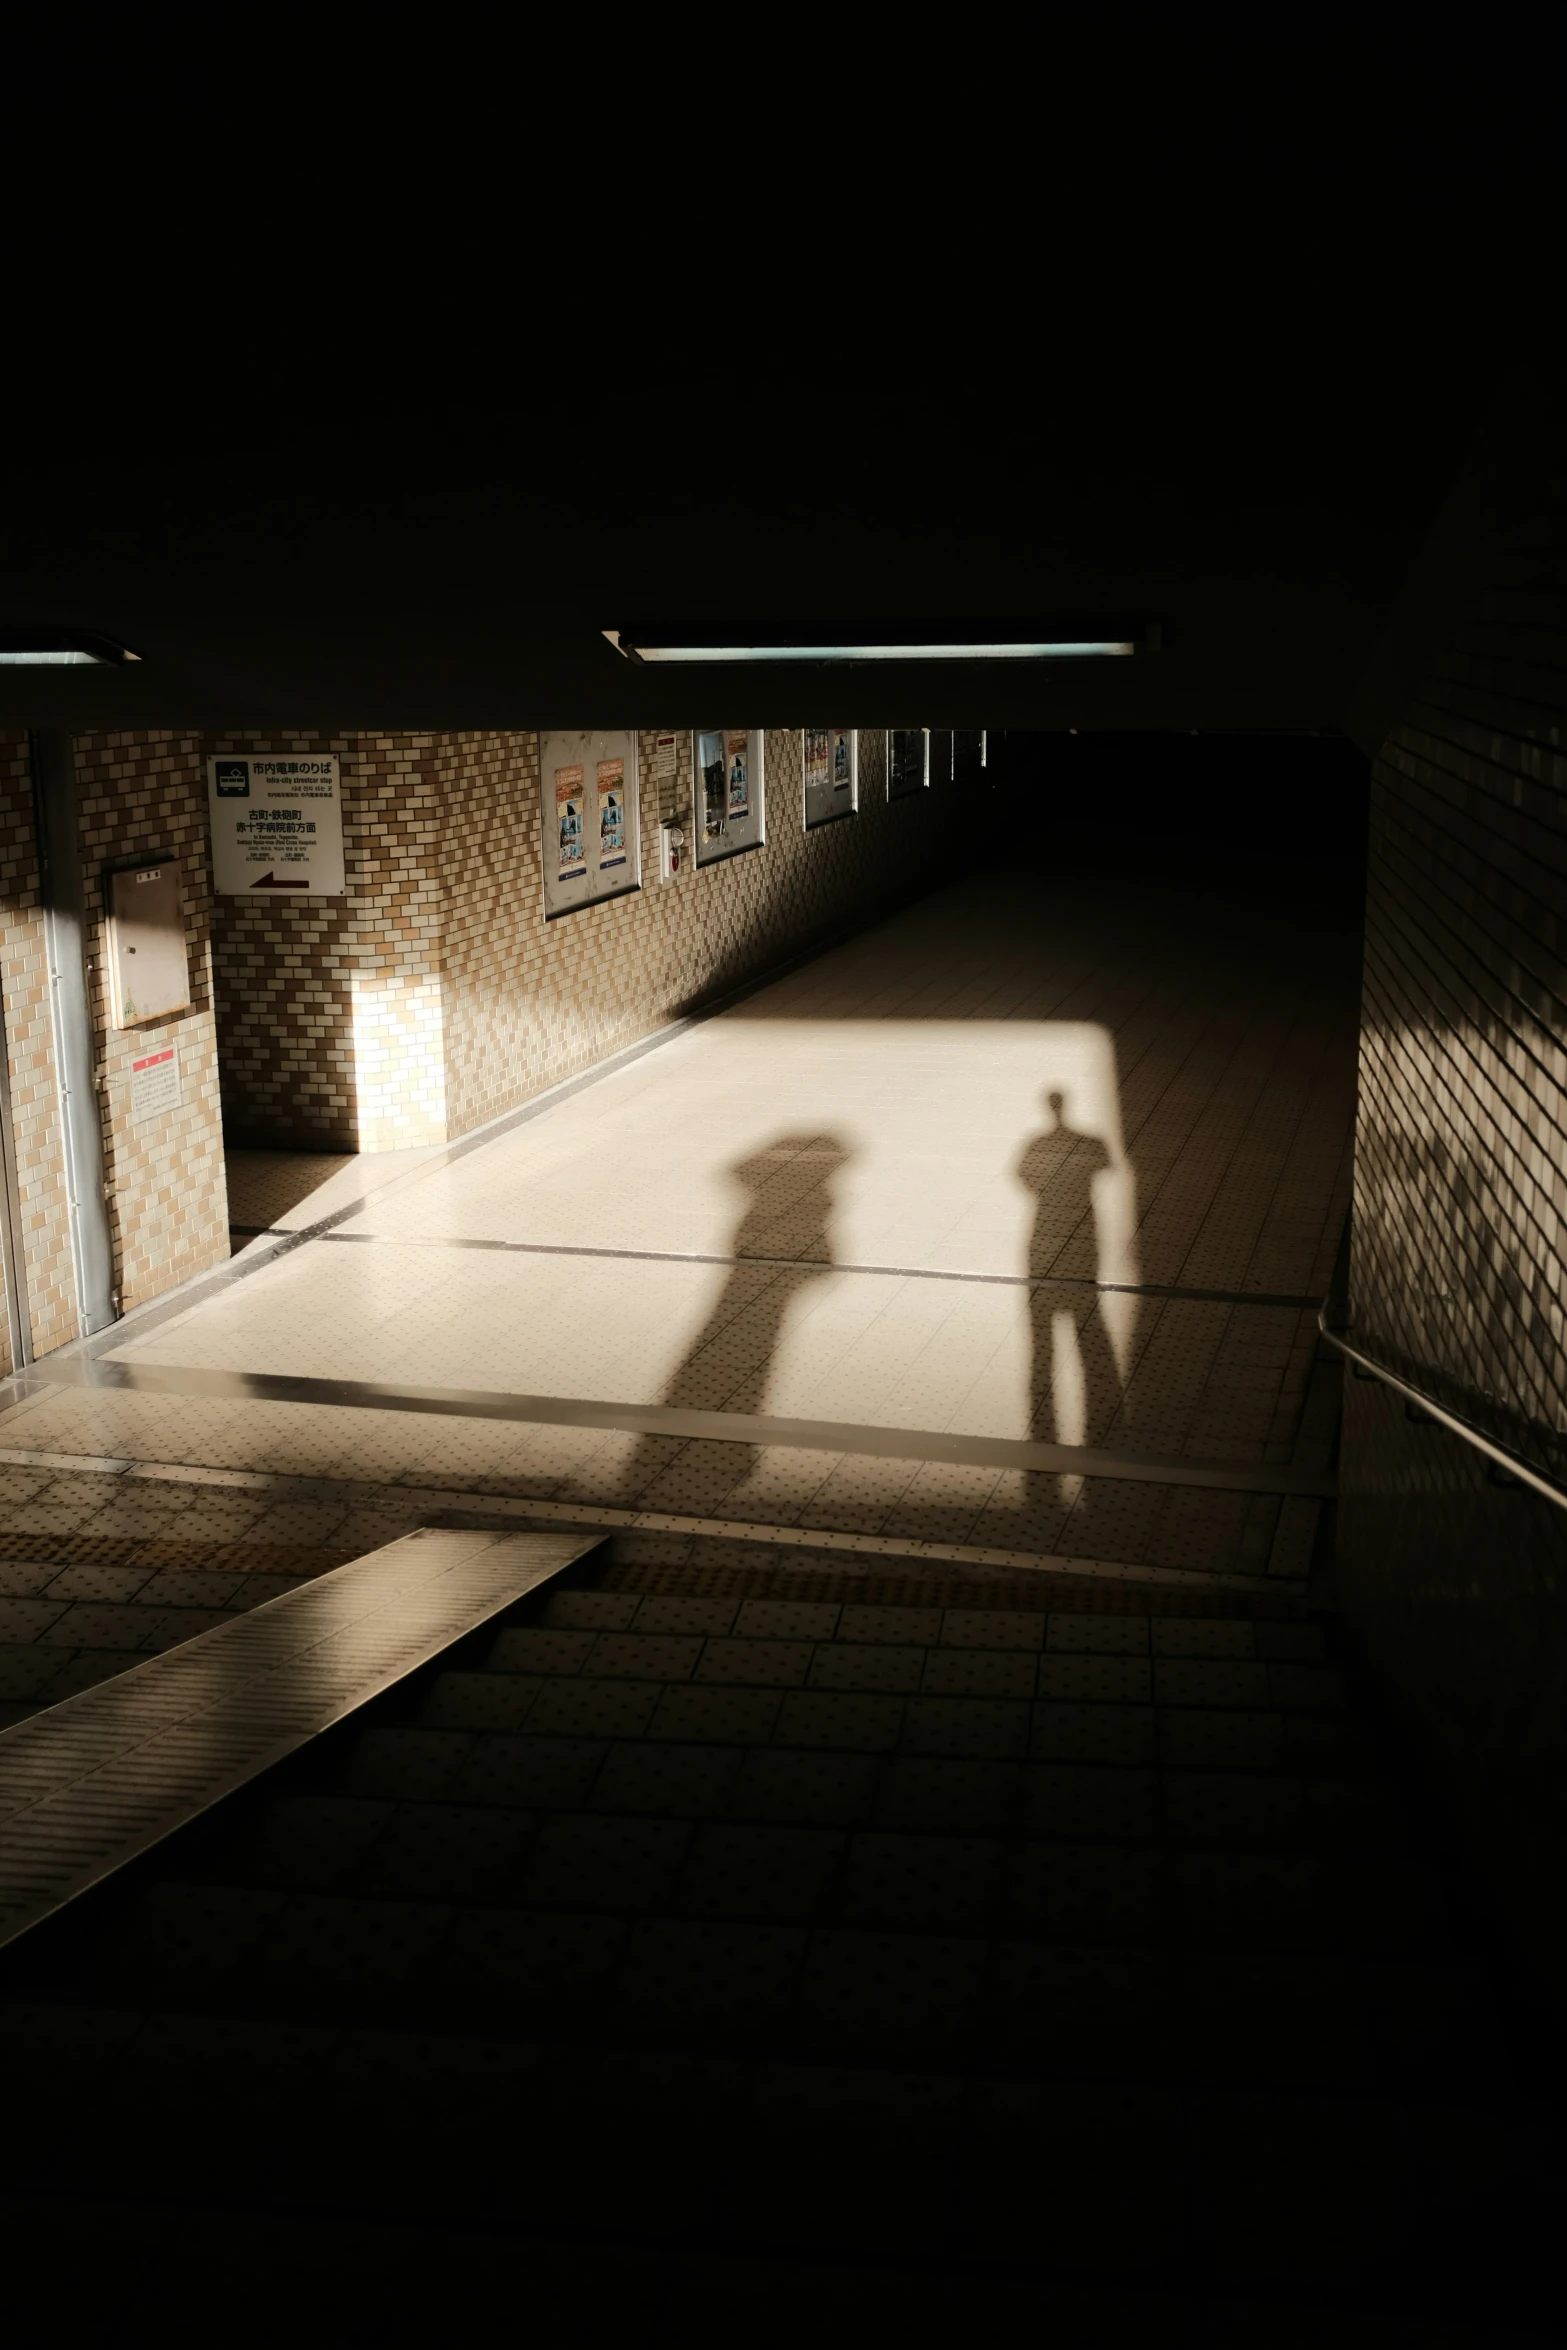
1074,650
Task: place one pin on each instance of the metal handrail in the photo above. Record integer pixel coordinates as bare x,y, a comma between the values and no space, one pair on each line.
1493,1451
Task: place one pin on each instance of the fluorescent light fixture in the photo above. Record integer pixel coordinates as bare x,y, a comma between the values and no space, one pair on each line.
60,648
947,643
46,657
910,652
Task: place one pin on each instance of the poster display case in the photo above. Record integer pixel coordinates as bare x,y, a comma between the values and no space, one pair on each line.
908,760
730,790
831,759
968,754
590,811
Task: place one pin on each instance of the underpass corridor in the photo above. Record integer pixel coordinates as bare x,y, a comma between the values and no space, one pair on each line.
924,1862
1043,1167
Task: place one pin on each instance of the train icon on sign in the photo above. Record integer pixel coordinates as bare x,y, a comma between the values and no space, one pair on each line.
232,778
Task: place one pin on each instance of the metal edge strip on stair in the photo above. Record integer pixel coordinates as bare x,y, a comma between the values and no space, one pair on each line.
87,1785
479,1403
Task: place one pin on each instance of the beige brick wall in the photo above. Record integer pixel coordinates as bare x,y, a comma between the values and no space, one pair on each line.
140,797
437,996
529,1002
29,1037
330,1008
433,997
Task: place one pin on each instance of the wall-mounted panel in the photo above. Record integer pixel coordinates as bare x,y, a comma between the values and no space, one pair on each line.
968,754
908,760
148,965
731,789
831,757
591,816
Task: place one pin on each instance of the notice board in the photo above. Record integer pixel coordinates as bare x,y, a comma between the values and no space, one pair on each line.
968,754
731,787
591,817
831,757
908,760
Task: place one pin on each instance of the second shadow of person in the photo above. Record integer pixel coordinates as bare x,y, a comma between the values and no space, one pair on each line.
1059,1166
782,1244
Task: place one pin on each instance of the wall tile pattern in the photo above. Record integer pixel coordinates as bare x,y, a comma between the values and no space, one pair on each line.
437,996
1460,1252
29,1036
530,1002
1451,1582
330,1008
430,999
141,796
138,796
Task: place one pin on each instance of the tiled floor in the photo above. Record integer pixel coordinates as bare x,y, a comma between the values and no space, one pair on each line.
878,1194
284,1191
105,1561
869,1895
800,1938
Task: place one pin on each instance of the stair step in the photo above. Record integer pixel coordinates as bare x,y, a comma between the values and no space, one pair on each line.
1028,1943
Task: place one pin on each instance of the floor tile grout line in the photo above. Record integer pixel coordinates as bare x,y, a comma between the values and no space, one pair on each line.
660,1256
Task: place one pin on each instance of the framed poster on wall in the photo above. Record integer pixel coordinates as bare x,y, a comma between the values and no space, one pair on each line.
731,791
591,816
908,760
831,756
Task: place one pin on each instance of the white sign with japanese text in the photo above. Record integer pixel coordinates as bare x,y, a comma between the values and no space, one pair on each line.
155,1084
277,825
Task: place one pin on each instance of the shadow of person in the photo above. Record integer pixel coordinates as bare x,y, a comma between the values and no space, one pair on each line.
1058,1167
781,1245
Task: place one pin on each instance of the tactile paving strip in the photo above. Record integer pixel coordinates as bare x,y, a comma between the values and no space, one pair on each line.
807,1538
677,1421
90,1783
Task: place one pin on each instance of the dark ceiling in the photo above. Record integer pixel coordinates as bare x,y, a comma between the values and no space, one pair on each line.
307,546
1195,325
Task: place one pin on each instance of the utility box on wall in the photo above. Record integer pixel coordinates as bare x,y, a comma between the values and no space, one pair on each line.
149,969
